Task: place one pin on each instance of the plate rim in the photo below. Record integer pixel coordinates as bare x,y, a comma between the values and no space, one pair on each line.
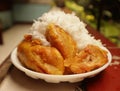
61,78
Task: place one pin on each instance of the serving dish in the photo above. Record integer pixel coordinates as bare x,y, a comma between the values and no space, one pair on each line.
57,78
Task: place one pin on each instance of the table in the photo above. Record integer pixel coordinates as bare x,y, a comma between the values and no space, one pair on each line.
1,39
108,80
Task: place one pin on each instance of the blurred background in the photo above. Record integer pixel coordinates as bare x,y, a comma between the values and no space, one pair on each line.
103,15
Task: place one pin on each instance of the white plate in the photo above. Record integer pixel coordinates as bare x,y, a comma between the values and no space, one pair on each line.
57,78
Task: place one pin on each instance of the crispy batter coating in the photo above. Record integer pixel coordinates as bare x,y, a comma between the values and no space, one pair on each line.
90,58
62,57
61,40
40,58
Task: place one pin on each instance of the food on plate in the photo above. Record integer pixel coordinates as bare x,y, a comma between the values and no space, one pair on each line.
90,58
40,58
59,44
61,40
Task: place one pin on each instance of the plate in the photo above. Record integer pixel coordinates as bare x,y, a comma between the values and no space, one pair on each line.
57,78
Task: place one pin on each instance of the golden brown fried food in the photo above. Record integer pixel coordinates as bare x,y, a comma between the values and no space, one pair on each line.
61,40
90,58
62,56
40,58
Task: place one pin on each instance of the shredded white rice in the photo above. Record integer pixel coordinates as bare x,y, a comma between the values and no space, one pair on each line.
69,22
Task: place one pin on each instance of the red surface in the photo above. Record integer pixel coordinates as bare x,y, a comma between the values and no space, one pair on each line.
109,79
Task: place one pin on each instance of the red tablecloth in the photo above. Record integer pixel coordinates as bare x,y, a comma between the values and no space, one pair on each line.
109,79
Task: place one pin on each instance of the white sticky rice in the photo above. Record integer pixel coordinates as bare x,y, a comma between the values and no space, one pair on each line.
69,22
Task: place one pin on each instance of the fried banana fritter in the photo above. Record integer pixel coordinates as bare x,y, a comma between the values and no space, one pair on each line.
61,40
90,58
40,58
62,57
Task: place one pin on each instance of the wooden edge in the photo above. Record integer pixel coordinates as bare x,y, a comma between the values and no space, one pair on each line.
4,67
